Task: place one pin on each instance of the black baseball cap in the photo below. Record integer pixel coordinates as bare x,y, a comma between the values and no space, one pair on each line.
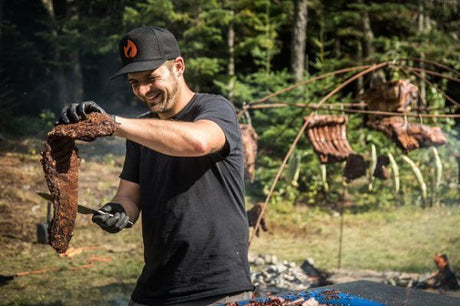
146,48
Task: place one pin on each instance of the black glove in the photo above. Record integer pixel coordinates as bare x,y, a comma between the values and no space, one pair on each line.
115,223
78,111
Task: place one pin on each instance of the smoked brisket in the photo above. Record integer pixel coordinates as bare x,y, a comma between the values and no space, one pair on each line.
60,163
393,96
249,139
408,136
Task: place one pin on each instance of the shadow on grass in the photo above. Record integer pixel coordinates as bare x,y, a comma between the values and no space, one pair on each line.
116,293
57,303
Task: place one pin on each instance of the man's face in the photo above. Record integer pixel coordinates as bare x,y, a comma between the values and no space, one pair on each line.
156,88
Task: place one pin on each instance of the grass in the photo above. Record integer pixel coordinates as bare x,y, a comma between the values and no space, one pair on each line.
403,239
399,239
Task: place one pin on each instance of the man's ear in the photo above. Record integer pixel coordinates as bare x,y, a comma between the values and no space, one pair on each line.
179,66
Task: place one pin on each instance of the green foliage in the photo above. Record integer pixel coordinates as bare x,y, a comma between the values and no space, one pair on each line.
47,119
82,37
27,125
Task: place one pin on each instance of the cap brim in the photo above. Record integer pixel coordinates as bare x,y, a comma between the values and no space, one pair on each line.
138,66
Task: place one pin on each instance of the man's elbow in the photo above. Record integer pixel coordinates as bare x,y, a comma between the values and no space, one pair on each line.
203,147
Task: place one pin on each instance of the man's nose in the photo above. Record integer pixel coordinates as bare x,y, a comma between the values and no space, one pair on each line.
144,89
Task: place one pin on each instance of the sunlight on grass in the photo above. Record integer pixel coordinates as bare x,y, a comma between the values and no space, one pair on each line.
404,239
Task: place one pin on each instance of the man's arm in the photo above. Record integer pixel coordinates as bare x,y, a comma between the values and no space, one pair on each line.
186,139
128,195
175,138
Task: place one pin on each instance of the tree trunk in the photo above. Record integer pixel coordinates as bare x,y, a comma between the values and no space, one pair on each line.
422,29
299,40
231,58
359,83
56,71
368,35
75,78
375,77
66,70
1,14
268,37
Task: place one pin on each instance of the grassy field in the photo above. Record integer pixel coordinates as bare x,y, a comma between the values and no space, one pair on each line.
102,268
403,239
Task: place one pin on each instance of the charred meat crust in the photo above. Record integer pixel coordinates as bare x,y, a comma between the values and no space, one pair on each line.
60,162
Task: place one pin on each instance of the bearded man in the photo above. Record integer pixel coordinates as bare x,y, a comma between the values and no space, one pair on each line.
183,173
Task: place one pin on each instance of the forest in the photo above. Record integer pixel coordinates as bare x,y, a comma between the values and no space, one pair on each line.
277,61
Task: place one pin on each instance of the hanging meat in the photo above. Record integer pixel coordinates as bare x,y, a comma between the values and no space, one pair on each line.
457,156
249,138
355,167
381,170
393,96
328,136
60,163
408,136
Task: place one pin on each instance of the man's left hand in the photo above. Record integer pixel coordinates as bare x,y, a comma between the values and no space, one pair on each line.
115,222
78,111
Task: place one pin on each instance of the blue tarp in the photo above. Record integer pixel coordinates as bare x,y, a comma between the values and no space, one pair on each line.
329,297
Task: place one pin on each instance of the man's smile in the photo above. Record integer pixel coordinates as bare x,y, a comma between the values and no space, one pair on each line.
154,97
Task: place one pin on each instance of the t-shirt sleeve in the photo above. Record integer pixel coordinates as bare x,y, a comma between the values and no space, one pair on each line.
130,170
222,112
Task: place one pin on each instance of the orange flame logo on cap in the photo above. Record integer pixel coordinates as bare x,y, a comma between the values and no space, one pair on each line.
130,49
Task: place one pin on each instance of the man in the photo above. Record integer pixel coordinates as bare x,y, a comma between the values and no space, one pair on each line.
184,171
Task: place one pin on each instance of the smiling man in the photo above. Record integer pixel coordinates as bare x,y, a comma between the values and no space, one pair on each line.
183,173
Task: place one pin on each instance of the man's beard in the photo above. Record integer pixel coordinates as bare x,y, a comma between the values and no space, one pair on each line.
168,99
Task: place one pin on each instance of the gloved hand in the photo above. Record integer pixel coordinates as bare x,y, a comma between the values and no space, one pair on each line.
253,215
78,111
115,223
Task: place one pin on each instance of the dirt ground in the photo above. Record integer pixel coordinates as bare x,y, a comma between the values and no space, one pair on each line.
22,176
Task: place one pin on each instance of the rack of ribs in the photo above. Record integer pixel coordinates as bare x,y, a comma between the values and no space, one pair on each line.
328,136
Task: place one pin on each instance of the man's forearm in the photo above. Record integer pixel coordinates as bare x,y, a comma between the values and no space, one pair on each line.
131,208
186,139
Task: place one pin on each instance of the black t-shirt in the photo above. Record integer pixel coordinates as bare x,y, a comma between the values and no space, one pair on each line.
194,222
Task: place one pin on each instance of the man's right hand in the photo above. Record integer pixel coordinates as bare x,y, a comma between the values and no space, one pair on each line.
115,223
78,111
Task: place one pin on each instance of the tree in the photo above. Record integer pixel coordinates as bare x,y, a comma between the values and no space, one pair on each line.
65,69
299,38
